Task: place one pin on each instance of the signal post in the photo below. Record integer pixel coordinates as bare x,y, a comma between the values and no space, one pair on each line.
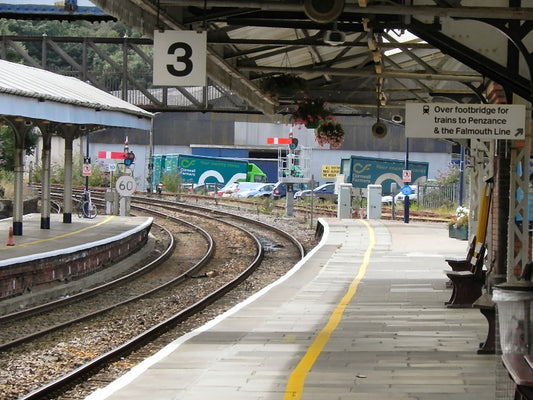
118,198
293,167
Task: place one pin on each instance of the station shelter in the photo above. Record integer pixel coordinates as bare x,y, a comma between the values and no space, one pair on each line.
57,105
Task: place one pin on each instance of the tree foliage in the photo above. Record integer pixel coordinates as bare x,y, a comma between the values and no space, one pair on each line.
171,181
7,146
451,175
98,67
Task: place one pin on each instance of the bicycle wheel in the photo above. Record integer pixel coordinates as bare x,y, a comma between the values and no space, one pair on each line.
92,211
89,210
80,210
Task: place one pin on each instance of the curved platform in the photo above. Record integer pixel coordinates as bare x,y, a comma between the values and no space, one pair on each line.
361,317
42,258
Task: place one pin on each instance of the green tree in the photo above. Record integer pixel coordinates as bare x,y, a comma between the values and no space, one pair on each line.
451,175
7,146
98,67
98,178
171,182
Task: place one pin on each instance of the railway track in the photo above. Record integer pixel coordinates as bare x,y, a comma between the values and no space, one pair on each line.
29,324
220,280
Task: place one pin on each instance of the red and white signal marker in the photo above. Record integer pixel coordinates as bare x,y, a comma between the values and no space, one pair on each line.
276,140
112,155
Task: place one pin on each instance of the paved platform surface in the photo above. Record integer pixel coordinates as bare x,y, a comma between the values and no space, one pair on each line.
61,237
361,317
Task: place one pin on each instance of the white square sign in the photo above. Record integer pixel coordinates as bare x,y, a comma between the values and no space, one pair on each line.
180,58
465,121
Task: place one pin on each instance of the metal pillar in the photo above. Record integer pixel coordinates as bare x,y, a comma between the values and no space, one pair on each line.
45,176
67,184
18,202
518,231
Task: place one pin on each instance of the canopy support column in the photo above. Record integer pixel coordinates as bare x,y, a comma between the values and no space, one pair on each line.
18,201
45,177
67,184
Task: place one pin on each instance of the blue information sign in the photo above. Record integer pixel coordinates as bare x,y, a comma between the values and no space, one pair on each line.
407,190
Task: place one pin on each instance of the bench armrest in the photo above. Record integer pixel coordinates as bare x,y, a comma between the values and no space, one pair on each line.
518,369
459,265
484,302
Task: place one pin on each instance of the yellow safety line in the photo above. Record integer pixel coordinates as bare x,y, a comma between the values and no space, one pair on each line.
295,385
105,221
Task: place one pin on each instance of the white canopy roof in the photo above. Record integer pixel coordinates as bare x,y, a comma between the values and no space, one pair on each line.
38,94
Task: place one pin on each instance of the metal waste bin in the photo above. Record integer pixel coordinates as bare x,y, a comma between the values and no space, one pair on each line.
514,308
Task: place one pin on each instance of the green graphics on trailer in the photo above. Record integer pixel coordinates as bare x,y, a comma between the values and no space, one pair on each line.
202,169
363,171
163,164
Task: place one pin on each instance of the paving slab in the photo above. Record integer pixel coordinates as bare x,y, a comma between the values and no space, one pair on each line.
366,322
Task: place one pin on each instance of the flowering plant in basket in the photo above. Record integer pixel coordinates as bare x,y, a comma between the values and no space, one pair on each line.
282,85
330,132
310,112
460,219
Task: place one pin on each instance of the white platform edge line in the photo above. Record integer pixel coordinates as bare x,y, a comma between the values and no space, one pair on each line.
161,354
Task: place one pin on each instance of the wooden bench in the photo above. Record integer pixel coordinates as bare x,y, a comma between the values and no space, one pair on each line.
467,285
463,264
487,307
520,369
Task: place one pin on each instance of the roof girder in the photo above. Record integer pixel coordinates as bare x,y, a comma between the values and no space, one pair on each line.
241,62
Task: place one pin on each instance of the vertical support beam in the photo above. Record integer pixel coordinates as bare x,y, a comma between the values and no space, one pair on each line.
502,187
84,75
518,237
18,202
150,162
501,159
3,51
125,69
46,131
44,58
67,184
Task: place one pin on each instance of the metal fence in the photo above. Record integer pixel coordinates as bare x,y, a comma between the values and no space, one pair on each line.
440,196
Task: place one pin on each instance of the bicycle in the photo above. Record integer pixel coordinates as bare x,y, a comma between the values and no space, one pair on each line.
86,207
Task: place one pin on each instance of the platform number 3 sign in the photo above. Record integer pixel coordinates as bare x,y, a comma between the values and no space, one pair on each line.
180,58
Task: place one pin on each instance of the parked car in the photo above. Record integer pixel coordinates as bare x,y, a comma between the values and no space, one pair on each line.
262,190
386,199
301,194
280,189
325,192
241,187
400,197
206,188
227,189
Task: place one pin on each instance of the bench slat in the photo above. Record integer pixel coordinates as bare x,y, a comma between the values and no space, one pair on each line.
518,368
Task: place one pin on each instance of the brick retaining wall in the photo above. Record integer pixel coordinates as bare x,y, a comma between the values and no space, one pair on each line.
43,273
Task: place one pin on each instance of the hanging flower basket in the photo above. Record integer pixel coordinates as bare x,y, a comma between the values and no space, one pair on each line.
329,132
283,85
310,112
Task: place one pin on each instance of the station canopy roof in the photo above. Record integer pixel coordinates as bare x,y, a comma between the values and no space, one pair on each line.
37,94
352,53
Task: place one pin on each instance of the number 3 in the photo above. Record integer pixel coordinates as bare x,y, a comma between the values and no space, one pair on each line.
185,59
